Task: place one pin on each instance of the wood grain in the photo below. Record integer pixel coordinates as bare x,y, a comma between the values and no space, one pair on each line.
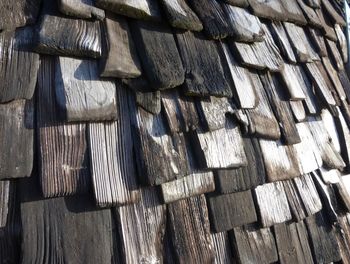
4,202
273,10
293,12
294,81
342,42
223,252
310,13
149,101
81,9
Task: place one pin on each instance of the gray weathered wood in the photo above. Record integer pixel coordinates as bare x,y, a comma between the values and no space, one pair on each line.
303,50
62,150
345,81
333,75
80,94
344,134
327,25
318,41
149,101
231,210
239,3
260,55
223,252
191,185
160,157
293,12
139,9
222,148
313,3
181,16
246,177
18,65
310,14
244,90
112,162
330,176
254,246
158,53
333,14
204,73
18,13
141,229
294,200
273,10
4,202
17,139
343,237
323,241
301,243
180,111
84,40
343,190
81,9
286,250
294,81
262,121
63,229
298,110
272,204
120,58
190,231
245,26
335,54
331,125
342,43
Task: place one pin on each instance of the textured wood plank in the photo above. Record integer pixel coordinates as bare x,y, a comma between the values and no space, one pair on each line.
222,248
303,50
281,38
190,231
192,185
61,147
327,25
244,178
18,65
333,14
342,42
280,160
330,176
203,67
260,55
81,9
273,10
262,121
112,161
213,17
335,54
293,12
254,246
160,157
159,56
324,245
80,94
142,228
321,81
85,37
149,101
245,26
343,237
343,190
222,148
344,136
345,81
294,200
63,229
278,100
18,13
331,125
181,16
231,210
298,110
310,13
244,91
17,139
139,9
294,81
212,112
286,251
180,111
120,59
4,202
301,243
318,41
272,204
333,75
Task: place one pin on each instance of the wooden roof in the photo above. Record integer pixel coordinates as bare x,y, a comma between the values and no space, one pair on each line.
174,131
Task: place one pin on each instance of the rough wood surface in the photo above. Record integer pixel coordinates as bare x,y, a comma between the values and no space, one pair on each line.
345,81
213,17
160,157
181,16
244,91
222,148
298,110
262,121
245,26
310,14
318,41
18,65
223,252
294,200
4,202
240,3
331,126
301,243
335,54
254,246
81,9
62,147
342,42
85,37
343,190
246,177
190,231
273,10
138,9
149,101
231,210
294,81
204,73
343,237
192,185
80,94
158,53
180,111
63,229
334,77
112,162
260,55
17,139
333,14
120,58
303,50
324,245
293,12
286,251
17,13
326,24
272,204
142,228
